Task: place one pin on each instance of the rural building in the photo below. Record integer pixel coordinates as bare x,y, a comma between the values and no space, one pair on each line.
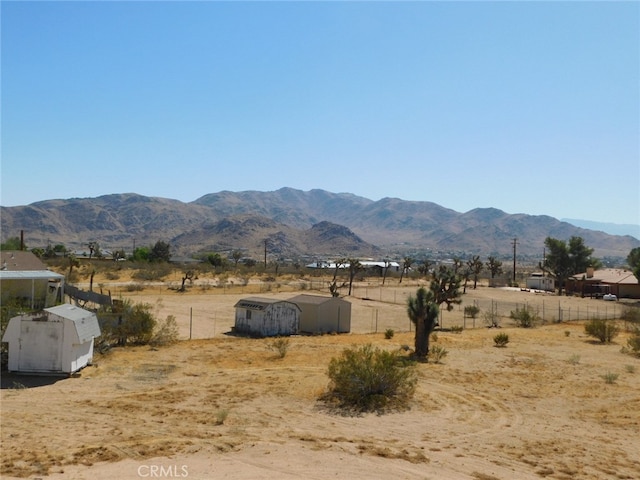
537,281
596,283
25,281
266,317
56,340
320,314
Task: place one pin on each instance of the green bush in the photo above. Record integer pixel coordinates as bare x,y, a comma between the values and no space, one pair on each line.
389,333
370,379
501,340
603,330
524,317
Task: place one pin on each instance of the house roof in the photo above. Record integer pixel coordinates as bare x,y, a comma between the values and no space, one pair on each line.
258,303
86,322
609,275
19,260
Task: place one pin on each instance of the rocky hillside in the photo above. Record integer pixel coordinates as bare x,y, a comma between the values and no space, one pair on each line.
294,223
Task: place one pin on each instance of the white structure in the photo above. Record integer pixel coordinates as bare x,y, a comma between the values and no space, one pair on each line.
266,317
537,281
25,281
57,340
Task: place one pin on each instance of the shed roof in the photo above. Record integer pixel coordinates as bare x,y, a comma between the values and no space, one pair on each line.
19,260
258,303
312,299
30,275
610,275
86,322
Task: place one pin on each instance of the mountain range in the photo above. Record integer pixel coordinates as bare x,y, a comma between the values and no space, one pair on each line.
294,223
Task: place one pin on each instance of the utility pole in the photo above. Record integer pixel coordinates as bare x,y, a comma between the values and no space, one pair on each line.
515,242
265,255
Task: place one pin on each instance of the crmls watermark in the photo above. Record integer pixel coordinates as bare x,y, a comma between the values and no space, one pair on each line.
161,471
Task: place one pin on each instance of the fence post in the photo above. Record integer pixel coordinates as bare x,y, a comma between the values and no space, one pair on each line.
190,321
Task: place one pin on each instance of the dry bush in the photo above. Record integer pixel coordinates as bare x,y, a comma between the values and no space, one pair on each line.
603,330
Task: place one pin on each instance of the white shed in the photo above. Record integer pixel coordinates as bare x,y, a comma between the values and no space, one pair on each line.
266,317
537,281
321,314
57,340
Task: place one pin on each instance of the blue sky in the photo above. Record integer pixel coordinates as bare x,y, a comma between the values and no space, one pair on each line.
529,107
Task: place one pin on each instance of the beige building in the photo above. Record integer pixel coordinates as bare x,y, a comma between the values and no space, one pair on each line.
320,314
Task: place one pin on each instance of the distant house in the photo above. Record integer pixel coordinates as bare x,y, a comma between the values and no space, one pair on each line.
266,317
320,314
537,281
57,340
25,281
596,283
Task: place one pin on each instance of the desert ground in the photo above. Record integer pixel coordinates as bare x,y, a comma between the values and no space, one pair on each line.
220,406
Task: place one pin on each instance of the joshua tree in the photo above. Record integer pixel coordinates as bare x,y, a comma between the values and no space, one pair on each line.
495,266
423,309
406,265
476,266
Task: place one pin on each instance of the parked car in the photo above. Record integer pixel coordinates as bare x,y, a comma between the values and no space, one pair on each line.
610,297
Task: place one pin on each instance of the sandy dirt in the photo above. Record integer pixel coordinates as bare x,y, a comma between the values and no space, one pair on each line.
220,406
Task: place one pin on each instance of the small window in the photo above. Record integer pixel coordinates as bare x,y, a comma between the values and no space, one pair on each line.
248,315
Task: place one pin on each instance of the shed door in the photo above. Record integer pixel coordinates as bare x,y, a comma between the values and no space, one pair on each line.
40,346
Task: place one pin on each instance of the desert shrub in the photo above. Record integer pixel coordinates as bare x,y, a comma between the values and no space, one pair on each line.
134,287
603,330
631,317
574,359
152,271
501,340
524,317
457,329
370,379
630,368
124,323
165,332
491,319
280,345
471,311
633,343
437,353
567,333
389,333
610,377
221,416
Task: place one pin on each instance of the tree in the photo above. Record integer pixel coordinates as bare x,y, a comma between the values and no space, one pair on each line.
476,266
423,312
215,259
141,254
387,264
354,267
161,252
406,265
334,288
495,266
564,260
12,243
633,259
423,309
446,287
236,255
425,267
